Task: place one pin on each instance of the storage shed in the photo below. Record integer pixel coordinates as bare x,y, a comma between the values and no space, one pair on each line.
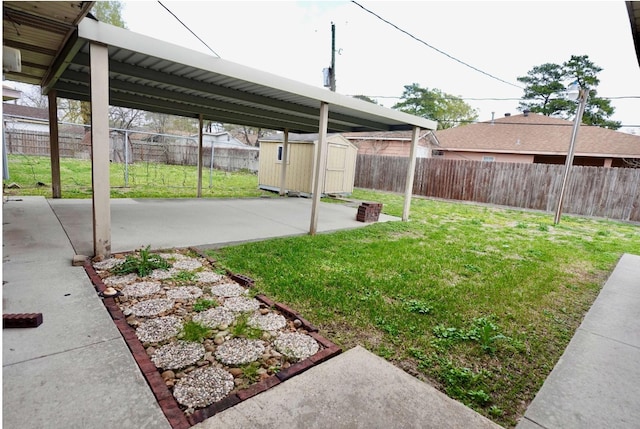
339,174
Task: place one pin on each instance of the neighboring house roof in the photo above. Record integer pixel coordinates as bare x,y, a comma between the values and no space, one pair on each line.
539,135
25,111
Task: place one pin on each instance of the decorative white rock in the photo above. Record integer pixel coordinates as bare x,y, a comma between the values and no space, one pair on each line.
203,386
238,351
177,355
160,329
295,345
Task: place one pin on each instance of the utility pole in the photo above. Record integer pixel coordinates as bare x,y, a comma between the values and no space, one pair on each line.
332,70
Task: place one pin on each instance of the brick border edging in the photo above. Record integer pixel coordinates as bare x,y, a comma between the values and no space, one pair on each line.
166,401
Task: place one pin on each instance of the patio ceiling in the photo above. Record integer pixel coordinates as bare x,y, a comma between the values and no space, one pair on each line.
39,30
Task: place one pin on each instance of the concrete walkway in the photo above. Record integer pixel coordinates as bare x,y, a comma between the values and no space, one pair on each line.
74,370
596,382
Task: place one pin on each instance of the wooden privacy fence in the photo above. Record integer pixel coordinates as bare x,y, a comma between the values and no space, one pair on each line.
612,193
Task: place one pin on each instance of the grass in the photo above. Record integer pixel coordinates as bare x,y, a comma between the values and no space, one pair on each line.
146,180
479,301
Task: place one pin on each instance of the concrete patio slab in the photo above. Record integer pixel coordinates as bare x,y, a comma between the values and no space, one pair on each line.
356,389
200,222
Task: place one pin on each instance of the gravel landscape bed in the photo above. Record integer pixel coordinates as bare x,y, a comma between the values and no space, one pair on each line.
241,341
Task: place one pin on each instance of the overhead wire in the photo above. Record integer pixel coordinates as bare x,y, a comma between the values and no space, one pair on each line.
190,30
434,48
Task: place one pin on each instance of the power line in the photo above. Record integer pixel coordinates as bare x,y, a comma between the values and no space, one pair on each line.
624,97
191,31
433,47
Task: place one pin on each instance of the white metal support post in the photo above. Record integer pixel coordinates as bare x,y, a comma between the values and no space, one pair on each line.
321,167
283,170
200,151
99,62
408,190
54,146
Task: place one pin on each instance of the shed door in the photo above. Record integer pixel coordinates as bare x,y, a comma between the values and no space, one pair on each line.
336,166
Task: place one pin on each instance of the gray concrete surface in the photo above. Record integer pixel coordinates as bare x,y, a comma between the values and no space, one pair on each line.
200,222
596,382
356,389
74,370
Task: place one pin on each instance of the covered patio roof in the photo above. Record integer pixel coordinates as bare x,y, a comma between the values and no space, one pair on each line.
148,74
106,65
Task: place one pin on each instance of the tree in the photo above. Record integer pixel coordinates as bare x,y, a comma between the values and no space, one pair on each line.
434,104
109,12
545,91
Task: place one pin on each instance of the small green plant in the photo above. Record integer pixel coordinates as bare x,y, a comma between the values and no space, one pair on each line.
242,329
521,225
250,372
542,227
485,332
480,397
495,411
142,265
202,304
184,276
417,306
193,331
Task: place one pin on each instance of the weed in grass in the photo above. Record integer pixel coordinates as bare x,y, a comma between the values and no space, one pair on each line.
495,411
486,333
242,329
142,265
193,331
388,327
483,331
472,268
522,225
417,306
385,352
202,304
480,397
542,227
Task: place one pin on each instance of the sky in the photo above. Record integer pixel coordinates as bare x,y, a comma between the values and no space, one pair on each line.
502,39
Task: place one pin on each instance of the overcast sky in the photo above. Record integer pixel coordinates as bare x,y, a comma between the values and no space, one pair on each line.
502,39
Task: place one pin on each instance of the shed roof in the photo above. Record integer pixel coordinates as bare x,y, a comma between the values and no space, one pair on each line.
538,134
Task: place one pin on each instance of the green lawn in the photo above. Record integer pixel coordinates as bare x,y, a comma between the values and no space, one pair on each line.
146,180
479,301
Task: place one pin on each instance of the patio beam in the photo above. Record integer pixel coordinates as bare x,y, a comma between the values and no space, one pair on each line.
321,167
100,149
408,190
